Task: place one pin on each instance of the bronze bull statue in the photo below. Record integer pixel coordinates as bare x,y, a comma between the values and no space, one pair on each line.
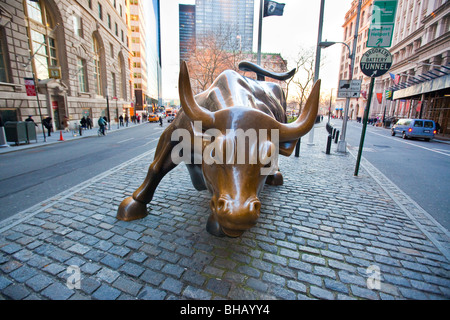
210,124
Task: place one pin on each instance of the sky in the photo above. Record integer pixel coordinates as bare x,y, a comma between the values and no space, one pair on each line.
287,35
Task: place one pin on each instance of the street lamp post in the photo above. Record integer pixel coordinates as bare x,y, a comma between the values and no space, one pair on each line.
342,145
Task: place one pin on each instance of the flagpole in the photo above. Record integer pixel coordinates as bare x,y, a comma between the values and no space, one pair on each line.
261,10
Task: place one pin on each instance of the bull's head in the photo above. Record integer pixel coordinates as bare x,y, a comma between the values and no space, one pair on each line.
235,184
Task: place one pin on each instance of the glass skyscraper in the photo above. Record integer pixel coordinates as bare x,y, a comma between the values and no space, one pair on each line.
224,17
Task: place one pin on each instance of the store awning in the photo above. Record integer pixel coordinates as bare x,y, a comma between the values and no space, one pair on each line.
424,83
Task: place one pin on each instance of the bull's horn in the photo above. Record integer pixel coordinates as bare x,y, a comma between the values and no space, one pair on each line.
187,100
306,120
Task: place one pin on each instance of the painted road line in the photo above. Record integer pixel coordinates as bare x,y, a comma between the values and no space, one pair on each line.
125,140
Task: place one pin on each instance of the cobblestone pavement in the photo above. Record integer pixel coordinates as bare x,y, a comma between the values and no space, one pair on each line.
324,234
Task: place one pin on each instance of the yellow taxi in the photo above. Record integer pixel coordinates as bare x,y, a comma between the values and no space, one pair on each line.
153,118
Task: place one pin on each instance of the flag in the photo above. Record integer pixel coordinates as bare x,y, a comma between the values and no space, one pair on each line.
380,97
395,78
388,95
272,8
30,87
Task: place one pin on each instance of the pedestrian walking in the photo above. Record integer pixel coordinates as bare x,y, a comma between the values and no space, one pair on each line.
127,119
89,122
121,120
83,122
47,122
160,121
65,123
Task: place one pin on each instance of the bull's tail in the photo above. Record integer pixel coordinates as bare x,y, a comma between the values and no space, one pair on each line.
261,72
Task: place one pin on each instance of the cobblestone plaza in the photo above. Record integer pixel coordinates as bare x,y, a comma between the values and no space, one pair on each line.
324,234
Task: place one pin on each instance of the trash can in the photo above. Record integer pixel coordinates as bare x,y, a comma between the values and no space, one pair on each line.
31,131
16,131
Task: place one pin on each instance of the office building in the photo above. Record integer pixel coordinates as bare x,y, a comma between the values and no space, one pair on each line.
76,50
233,19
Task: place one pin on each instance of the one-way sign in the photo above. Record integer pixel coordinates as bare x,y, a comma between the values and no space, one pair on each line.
376,62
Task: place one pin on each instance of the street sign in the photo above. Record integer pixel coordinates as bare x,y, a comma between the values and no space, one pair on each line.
380,36
349,89
375,62
384,11
382,25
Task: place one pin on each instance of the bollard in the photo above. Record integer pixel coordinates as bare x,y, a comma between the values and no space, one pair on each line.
328,144
297,147
337,136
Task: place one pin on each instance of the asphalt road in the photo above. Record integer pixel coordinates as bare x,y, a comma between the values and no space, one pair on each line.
419,168
30,176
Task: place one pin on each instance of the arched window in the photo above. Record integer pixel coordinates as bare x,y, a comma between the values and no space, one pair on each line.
97,70
42,38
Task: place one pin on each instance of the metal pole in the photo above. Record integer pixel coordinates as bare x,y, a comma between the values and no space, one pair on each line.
39,105
329,108
317,61
316,73
342,145
363,133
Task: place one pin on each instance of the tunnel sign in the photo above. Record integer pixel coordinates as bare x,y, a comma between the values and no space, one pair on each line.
376,62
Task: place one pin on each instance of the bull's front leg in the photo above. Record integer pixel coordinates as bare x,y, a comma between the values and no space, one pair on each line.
135,207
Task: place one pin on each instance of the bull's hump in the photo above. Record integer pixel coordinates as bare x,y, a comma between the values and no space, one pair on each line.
231,89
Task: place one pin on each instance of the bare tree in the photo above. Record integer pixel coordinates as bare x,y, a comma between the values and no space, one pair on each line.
303,79
211,54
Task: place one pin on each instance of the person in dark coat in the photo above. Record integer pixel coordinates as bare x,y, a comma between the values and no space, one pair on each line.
89,122
30,119
47,122
83,122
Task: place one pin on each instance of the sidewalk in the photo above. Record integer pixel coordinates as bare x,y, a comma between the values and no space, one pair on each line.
324,234
55,137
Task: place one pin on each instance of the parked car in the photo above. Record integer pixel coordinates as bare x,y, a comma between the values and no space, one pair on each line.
170,117
415,128
153,118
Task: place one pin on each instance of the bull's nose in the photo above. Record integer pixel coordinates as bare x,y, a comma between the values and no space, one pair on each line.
248,210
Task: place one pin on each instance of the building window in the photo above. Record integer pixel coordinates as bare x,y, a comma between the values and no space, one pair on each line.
3,64
97,70
108,18
77,25
100,11
43,46
116,29
81,71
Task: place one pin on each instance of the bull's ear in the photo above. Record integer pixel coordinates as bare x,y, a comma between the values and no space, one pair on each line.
187,100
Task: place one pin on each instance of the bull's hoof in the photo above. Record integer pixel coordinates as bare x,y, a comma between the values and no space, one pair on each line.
131,209
275,180
213,227
232,233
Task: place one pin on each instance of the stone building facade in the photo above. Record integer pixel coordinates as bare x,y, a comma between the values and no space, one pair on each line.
77,50
421,52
